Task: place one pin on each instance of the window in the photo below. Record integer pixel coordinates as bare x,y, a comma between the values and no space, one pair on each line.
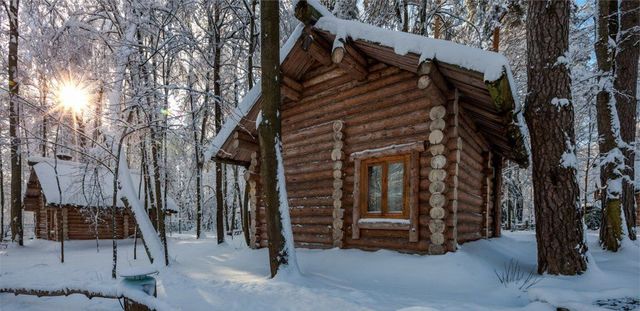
384,187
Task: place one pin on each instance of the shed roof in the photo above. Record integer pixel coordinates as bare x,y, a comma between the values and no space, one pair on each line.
483,78
81,184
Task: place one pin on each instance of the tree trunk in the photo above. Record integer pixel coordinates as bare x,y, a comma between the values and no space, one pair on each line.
14,120
559,230
160,211
609,142
218,123
626,86
197,150
245,215
252,40
281,251
1,197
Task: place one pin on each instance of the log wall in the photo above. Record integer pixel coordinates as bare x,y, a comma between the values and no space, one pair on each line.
337,116
474,185
385,109
79,223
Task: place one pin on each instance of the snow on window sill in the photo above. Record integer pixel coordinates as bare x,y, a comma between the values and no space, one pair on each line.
384,223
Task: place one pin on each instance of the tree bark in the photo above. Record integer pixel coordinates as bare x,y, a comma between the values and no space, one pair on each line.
14,120
218,121
559,230
1,196
269,136
609,142
160,210
626,86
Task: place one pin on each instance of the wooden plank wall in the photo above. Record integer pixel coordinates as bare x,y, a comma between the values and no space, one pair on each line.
385,109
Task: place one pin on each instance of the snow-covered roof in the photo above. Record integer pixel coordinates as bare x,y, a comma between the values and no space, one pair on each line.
491,65
81,184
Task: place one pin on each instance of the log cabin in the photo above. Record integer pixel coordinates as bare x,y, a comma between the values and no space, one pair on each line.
390,140
77,198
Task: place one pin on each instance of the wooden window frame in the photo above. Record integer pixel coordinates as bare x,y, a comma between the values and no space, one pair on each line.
412,172
364,186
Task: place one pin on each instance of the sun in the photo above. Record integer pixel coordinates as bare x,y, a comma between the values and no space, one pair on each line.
73,97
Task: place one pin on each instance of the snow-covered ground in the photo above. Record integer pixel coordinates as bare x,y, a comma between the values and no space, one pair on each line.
204,276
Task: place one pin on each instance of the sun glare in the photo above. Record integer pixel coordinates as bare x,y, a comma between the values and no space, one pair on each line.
73,97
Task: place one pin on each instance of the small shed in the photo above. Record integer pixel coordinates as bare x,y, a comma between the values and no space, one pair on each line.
390,140
77,197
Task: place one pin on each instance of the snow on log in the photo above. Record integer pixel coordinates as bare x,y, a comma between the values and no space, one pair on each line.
128,193
115,291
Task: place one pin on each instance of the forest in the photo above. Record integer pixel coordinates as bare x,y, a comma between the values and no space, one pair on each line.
299,154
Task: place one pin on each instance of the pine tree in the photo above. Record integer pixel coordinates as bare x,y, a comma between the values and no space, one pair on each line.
626,86
549,114
617,67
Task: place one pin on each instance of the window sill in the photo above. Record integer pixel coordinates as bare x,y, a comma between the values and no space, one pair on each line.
384,223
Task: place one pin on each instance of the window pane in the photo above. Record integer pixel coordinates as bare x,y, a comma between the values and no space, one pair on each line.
375,188
395,189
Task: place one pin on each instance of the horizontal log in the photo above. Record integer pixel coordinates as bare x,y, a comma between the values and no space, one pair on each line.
307,149
313,220
304,167
384,109
307,133
322,191
469,217
318,158
467,237
341,82
310,202
292,83
311,229
320,76
353,112
382,88
373,233
313,238
398,140
290,93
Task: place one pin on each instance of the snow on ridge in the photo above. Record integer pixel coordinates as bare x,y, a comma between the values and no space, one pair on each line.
249,100
492,65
